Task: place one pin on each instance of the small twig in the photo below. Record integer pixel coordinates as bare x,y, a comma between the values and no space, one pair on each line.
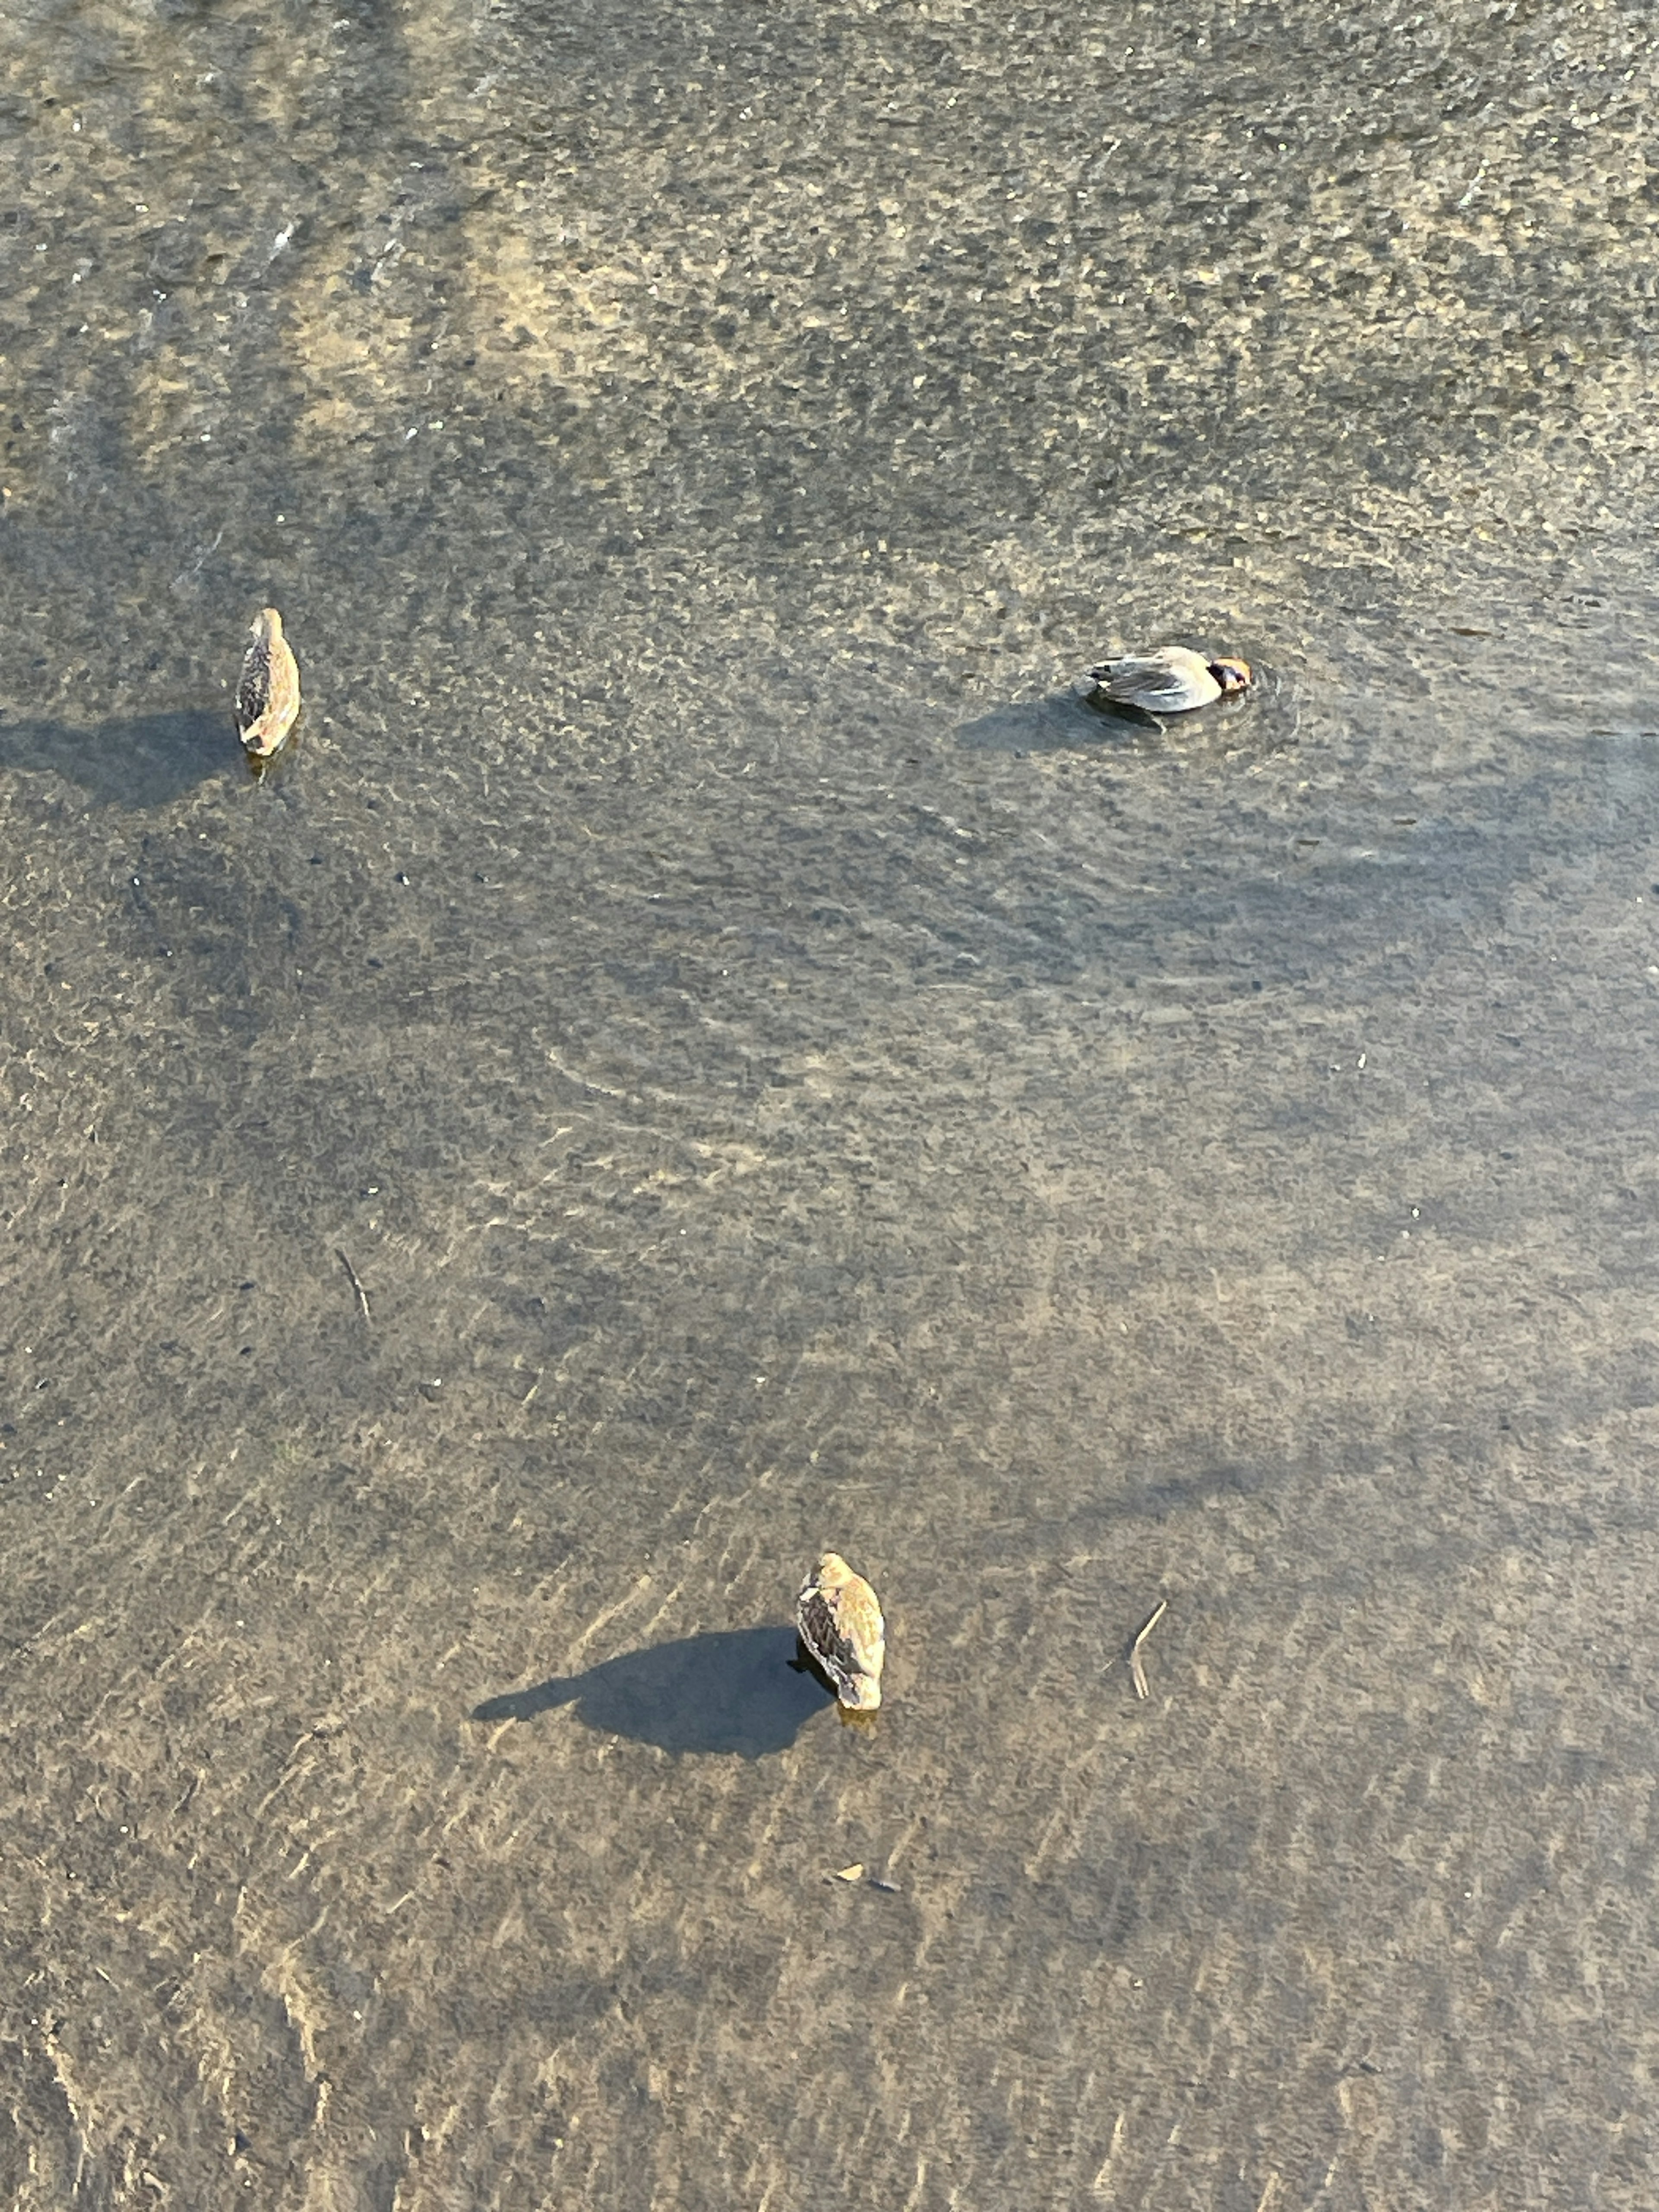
1136,1669
363,1295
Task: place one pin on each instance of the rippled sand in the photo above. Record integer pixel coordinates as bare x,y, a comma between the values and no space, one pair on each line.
783,1073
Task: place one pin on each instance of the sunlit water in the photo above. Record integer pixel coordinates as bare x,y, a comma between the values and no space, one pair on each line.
784,1073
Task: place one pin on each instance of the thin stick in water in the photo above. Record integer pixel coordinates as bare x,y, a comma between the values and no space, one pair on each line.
1136,1671
362,1300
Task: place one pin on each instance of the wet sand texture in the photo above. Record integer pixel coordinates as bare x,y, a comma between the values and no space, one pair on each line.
782,1074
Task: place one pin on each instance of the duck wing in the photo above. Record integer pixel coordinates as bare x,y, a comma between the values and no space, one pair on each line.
253,685
1162,683
820,1633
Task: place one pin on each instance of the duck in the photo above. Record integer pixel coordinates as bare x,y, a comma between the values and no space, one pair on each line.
1173,680
840,1623
267,689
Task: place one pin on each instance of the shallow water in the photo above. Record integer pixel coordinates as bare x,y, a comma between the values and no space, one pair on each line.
784,1073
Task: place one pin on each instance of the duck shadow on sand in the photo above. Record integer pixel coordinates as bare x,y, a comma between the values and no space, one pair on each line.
134,760
742,1690
1059,723
1067,721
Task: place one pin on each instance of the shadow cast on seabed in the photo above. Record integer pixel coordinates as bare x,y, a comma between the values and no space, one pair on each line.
1076,721
740,1690
135,760
1062,722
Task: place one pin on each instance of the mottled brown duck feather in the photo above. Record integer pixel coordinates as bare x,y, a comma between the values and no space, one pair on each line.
840,1625
267,689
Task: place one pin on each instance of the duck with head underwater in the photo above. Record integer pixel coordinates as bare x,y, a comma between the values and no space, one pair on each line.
1172,680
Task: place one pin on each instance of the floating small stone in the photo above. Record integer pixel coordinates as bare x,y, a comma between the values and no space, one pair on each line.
268,690
1173,680
841,1628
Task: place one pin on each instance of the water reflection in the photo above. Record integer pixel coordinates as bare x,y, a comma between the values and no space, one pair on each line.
739,1690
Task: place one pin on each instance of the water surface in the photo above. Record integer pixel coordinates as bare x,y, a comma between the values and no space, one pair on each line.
784,1073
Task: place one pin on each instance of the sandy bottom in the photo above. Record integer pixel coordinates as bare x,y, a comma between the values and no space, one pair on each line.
705,1050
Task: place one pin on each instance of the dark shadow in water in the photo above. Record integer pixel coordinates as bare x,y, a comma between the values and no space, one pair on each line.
739,1690
1065,721
1059,723
139,760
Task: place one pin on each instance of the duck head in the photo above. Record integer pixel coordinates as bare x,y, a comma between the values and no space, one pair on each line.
1231,675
